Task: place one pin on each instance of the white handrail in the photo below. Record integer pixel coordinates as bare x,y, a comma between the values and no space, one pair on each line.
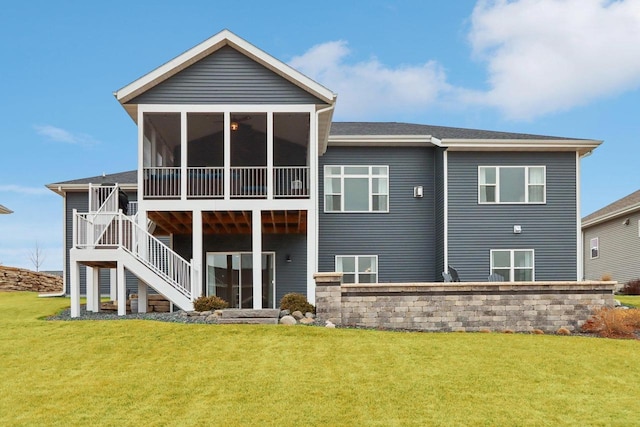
121,231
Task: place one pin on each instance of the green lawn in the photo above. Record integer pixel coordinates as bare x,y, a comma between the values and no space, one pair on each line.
630,300
144,373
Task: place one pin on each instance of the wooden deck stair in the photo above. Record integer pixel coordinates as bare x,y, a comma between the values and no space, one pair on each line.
268,316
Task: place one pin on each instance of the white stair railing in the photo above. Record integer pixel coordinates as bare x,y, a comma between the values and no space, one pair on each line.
103,198
121,231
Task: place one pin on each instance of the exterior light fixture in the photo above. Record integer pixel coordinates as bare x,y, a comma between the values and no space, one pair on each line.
234,126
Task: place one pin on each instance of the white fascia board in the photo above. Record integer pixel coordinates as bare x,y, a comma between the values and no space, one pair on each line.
223,38
615,214
582,146
383,140
62,189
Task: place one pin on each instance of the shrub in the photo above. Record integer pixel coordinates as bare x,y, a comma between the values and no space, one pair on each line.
631,288
209,303
296,302
613,323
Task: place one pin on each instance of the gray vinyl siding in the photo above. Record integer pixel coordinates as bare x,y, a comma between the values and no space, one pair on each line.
226,77
619,247
290,276
404,239
550,229
80,202
439,211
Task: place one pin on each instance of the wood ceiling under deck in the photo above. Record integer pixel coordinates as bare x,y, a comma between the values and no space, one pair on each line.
229,222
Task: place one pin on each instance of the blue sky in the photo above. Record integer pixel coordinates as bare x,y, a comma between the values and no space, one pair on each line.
553,67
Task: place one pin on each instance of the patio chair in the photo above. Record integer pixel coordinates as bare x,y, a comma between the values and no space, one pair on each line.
454,274
495,277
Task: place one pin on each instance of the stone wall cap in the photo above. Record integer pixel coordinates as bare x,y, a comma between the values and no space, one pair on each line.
486,285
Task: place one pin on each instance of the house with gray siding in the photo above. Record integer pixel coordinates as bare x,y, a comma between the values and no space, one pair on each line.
245,188
611,241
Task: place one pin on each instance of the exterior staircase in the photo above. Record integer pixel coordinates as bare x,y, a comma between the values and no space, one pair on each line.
106,234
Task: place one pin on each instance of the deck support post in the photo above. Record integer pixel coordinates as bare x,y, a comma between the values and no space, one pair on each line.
196,262
122,290
75,289
113,280
142,296
256,252
93,289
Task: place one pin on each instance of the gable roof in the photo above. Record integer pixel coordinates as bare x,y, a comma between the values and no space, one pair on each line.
455,139
128,180
4,210
206,48
624,206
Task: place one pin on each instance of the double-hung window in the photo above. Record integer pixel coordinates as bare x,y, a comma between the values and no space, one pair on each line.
356,188
595,247
515,265
512,184
358,268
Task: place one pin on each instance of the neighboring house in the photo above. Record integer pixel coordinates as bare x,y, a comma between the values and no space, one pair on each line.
611,241
254,189
4,210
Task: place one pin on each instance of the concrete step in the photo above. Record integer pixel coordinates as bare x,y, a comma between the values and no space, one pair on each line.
245,313
247,321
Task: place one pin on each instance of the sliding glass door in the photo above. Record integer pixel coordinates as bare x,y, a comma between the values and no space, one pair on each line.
230,277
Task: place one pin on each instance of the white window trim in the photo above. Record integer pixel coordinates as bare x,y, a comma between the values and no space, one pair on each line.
512,267
526,185
357,273
370,176
596,247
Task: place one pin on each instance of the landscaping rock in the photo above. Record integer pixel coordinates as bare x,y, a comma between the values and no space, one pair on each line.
288,320
309,315
307,320
329,324
211,318
284,313
297,314
205,313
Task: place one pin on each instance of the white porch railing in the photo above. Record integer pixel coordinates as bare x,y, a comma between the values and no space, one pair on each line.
291,181
208,182
108,230
103,198
249,181
162,182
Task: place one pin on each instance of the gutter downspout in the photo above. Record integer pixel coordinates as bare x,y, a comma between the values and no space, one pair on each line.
580,233
64,237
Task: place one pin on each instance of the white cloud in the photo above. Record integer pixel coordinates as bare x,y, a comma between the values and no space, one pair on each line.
21,189
370,87
57,134
545,56
542,56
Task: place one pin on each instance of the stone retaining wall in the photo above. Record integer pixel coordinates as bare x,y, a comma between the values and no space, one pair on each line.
19,279
516,306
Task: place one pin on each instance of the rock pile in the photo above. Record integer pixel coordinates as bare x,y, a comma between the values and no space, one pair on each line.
19,279
287,318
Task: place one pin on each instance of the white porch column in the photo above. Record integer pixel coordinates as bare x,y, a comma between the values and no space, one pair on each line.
256,252
227,155
93,289
197,253
75,288
122,290
142,296
312,254
270,155
183,155
113,280
90,289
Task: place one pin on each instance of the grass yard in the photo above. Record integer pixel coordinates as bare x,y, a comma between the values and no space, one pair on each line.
147,373
629,300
